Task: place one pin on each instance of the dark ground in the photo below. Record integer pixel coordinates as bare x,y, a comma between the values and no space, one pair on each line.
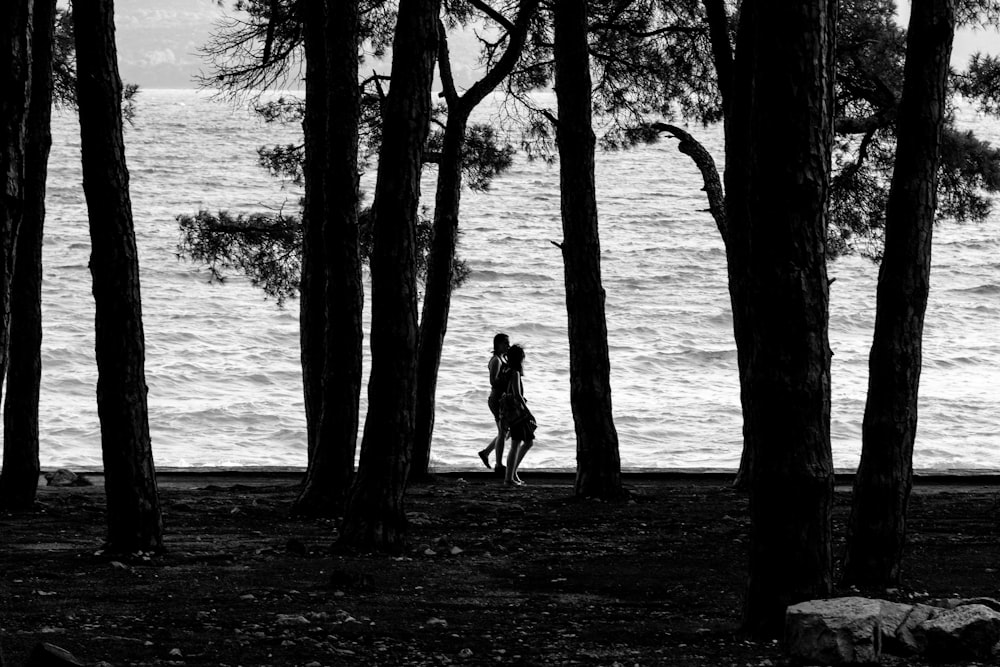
493,575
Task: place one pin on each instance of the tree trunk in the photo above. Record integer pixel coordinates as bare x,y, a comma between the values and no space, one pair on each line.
134,521
448,198
777,178
374,518
332,463
19,479
598,464
312,287
15,68
877,527
437,289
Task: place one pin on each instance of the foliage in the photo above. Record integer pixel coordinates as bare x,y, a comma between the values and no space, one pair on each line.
483,158
871,50
260,45
981,83
267,248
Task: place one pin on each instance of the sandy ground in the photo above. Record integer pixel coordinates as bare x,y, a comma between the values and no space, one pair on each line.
492,575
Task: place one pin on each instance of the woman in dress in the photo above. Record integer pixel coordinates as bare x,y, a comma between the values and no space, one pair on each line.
498,384
519,419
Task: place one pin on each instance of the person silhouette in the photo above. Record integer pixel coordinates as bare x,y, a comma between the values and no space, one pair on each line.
498,384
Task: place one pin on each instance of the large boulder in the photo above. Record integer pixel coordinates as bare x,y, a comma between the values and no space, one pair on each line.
970,631
894,615
835,631
909,636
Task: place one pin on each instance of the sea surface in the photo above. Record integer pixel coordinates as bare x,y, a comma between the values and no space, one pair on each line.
223,363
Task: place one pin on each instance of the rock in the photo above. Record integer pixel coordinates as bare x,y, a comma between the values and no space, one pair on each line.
291,620
893,615
954,603
834,631
50,655
965,632
64,477
909,636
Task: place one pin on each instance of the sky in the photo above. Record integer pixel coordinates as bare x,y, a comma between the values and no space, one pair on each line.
158,41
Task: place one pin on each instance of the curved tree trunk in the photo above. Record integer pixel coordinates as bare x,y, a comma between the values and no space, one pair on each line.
374,519
448,198
332,464
19,479
134,521
778,149
877,527
437,290
598,463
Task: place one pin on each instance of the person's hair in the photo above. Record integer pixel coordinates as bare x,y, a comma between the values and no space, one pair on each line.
515,358
497,340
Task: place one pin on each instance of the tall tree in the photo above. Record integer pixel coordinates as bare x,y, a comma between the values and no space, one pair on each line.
441,262
332,224
134,520
312,283
374,518
15,68
598,471
19,478
778,149
877,527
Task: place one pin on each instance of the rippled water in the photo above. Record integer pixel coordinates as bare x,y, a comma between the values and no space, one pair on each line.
223,365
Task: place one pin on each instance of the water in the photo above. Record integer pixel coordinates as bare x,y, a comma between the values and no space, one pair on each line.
223,363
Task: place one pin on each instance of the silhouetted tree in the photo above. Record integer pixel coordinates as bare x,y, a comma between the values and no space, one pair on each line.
19,478
598,471
374,518
134,520
460,148
778,151
877,528
331,222
15,68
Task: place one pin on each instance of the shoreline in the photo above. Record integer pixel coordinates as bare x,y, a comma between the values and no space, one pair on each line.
979,477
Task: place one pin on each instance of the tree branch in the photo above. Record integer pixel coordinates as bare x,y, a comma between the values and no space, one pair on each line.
709,173
493,14
448,90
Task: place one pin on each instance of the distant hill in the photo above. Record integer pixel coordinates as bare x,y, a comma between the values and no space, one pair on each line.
158,40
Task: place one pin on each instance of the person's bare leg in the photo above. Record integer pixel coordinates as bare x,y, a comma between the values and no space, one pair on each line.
499,441
512,463
485,453
522,450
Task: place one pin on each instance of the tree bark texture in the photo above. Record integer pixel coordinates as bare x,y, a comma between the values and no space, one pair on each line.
779,144
312,287
15,96
375,519
444,238
19,478
332,464
598,463
134,520
877,527
437,289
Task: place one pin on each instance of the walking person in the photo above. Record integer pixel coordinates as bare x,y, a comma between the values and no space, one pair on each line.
516,415
498,384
